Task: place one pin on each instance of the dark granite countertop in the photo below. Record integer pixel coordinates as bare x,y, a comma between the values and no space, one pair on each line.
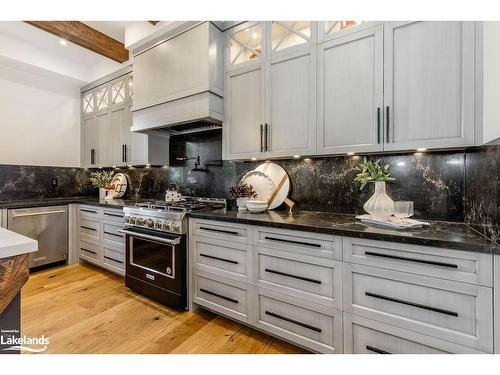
442,234
40,202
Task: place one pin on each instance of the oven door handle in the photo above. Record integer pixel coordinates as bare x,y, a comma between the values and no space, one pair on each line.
176,241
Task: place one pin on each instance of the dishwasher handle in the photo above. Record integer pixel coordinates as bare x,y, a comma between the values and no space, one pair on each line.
14,215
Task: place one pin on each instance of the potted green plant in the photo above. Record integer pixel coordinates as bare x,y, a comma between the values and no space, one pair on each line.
380,206
242,192
102,180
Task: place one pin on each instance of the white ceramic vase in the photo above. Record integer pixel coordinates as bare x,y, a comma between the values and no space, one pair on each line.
242,204
102,193
380,205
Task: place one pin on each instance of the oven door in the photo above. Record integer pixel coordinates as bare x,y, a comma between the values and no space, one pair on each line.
156,258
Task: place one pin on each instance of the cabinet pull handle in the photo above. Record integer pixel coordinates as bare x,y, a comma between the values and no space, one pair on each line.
220,230
387,126
305,325
92,156
431,262
218,295
84,210
123,154
378,125
376,350
266,146
90,251
293,242
114,215
89,228
113,234
113,259
217,258
293,276
125,158
261,138
414,304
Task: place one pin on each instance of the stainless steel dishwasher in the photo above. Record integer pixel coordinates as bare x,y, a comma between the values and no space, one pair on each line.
47,225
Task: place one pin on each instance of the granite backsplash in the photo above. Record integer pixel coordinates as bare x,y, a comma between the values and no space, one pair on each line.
453,186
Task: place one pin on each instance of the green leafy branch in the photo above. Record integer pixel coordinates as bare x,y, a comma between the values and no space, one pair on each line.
372,172
101,179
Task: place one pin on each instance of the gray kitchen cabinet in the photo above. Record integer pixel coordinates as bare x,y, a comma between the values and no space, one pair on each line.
350,92
270,90
107,140
429,84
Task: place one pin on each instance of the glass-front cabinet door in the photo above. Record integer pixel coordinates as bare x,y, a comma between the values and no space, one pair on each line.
245,45
331,29
287,34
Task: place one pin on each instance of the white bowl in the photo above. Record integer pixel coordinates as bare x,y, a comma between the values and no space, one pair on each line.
256,203
257,210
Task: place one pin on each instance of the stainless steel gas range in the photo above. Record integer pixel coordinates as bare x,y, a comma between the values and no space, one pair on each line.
156,247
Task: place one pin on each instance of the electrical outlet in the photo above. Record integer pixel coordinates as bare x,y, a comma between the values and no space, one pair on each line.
54,182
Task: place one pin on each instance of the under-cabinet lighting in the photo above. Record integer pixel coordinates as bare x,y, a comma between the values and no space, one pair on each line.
114,166
350,153
63,42
148,165
421,149
296,156
253,159
130,165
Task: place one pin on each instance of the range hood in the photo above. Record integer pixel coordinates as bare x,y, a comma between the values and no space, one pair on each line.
179,82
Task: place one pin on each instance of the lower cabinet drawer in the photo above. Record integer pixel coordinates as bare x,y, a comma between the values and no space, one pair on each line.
90,213
113,214
90,229
452,311
110,233
311,278
315,327
228,297
229,259
90,250
365,336
114,257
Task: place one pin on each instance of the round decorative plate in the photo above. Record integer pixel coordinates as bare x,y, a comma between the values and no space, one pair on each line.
280,180
261,183
121,184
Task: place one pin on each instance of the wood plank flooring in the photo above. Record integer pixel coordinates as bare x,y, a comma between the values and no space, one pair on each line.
84,309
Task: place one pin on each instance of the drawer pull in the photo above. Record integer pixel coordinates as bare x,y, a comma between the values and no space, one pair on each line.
217,258
113,259
90,251
218,295
89,228
420,306
89,211
376,350
292,242
113,234
114,215
294,276
433,263
305,325
220,231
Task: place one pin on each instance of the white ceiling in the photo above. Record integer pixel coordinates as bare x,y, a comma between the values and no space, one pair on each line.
114,29
30,45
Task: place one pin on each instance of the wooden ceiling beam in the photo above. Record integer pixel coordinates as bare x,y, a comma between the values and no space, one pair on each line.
85,36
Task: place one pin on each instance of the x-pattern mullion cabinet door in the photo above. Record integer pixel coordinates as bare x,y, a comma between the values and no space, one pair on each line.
429,84
290,70
350,92
245,88
333,29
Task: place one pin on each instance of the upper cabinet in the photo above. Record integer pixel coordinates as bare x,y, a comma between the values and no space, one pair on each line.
180,79
350,92
332,29
429,84
270,90
107,140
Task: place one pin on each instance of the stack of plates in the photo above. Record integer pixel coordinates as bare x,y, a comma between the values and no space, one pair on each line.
271,183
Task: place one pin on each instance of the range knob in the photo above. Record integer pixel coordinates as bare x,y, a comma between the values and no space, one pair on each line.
159,225
150,223
132,220
175,226
140,221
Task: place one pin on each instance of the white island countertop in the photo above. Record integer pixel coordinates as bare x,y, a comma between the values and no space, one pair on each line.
12,244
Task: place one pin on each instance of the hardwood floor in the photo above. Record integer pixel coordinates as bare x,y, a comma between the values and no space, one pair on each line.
83,309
